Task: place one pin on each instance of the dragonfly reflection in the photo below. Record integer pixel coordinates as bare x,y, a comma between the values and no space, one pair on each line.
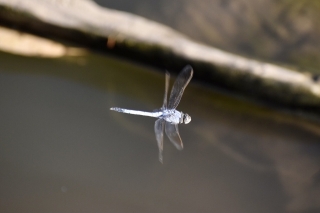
168,116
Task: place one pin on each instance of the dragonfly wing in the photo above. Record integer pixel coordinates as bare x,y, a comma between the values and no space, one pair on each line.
179,86
166,88
158,128
173,134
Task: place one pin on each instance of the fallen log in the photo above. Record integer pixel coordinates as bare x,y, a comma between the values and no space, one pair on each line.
84,23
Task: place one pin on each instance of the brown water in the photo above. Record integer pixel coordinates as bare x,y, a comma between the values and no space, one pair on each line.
63,150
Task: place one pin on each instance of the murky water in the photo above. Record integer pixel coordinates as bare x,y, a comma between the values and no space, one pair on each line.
63,150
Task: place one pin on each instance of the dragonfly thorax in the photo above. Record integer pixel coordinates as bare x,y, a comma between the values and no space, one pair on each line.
175,117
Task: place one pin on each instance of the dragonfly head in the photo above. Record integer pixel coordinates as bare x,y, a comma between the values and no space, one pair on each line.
186,118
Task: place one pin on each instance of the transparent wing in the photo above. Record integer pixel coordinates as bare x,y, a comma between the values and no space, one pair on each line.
179,86
173,134
158,129
166,88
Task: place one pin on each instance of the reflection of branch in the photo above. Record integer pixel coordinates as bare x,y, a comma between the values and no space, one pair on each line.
241,158
137,38
207,135
296,169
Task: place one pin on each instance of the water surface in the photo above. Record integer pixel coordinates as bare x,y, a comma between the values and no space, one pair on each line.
63,150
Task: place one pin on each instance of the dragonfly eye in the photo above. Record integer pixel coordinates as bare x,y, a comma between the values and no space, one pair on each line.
186,118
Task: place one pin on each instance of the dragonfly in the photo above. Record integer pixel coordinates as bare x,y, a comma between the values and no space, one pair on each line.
168,116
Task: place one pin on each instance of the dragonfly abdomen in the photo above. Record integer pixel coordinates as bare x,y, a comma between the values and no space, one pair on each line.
137,112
